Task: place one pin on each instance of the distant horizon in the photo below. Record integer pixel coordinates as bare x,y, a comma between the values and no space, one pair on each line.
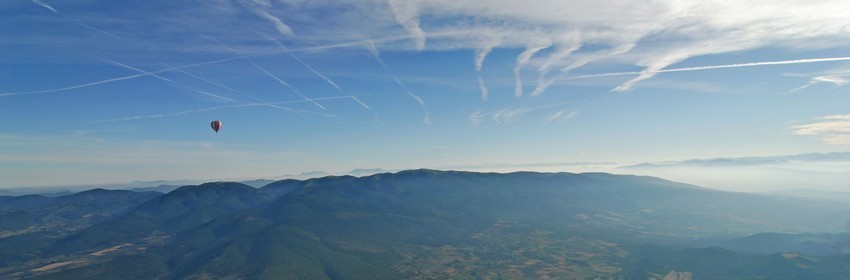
665,170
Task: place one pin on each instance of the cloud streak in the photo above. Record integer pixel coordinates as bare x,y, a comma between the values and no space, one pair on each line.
143,72
316,72
263,104
374,53
625,87
259,8
284,83
833,129
511,114
480,55
45,5
521,61
560,116
407,15
830,79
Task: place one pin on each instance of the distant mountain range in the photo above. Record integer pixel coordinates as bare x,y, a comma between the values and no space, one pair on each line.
424,224
165,186
816,171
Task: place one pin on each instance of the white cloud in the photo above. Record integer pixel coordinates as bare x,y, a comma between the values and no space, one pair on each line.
833,129
406,13
653,35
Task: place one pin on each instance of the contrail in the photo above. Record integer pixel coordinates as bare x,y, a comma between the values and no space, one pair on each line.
323,77
207,109
233,106
218,61
165,79
149,73
360,102
279,80
199,77
47,6
418,99
373,51
77,86
287,85
712,67
319,74
191,88
331,82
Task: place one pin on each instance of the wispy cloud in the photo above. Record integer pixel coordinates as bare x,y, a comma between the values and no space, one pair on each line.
485,93
480,55
562,52
560,116
511,114
373,51
521,61
475,117
651,72
628,86
45,5
259,8
836,80
418,99
651,35
833,129
407,15
508,115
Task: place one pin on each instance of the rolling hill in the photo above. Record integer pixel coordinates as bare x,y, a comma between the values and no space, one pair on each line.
433,224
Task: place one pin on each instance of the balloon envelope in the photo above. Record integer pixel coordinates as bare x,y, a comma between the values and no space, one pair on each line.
216,125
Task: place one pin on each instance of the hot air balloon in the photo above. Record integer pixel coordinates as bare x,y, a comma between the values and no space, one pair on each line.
216,125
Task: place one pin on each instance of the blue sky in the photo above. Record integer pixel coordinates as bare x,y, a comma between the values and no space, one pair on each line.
106,92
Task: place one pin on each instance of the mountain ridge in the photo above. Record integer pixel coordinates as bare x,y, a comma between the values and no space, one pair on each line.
421,222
